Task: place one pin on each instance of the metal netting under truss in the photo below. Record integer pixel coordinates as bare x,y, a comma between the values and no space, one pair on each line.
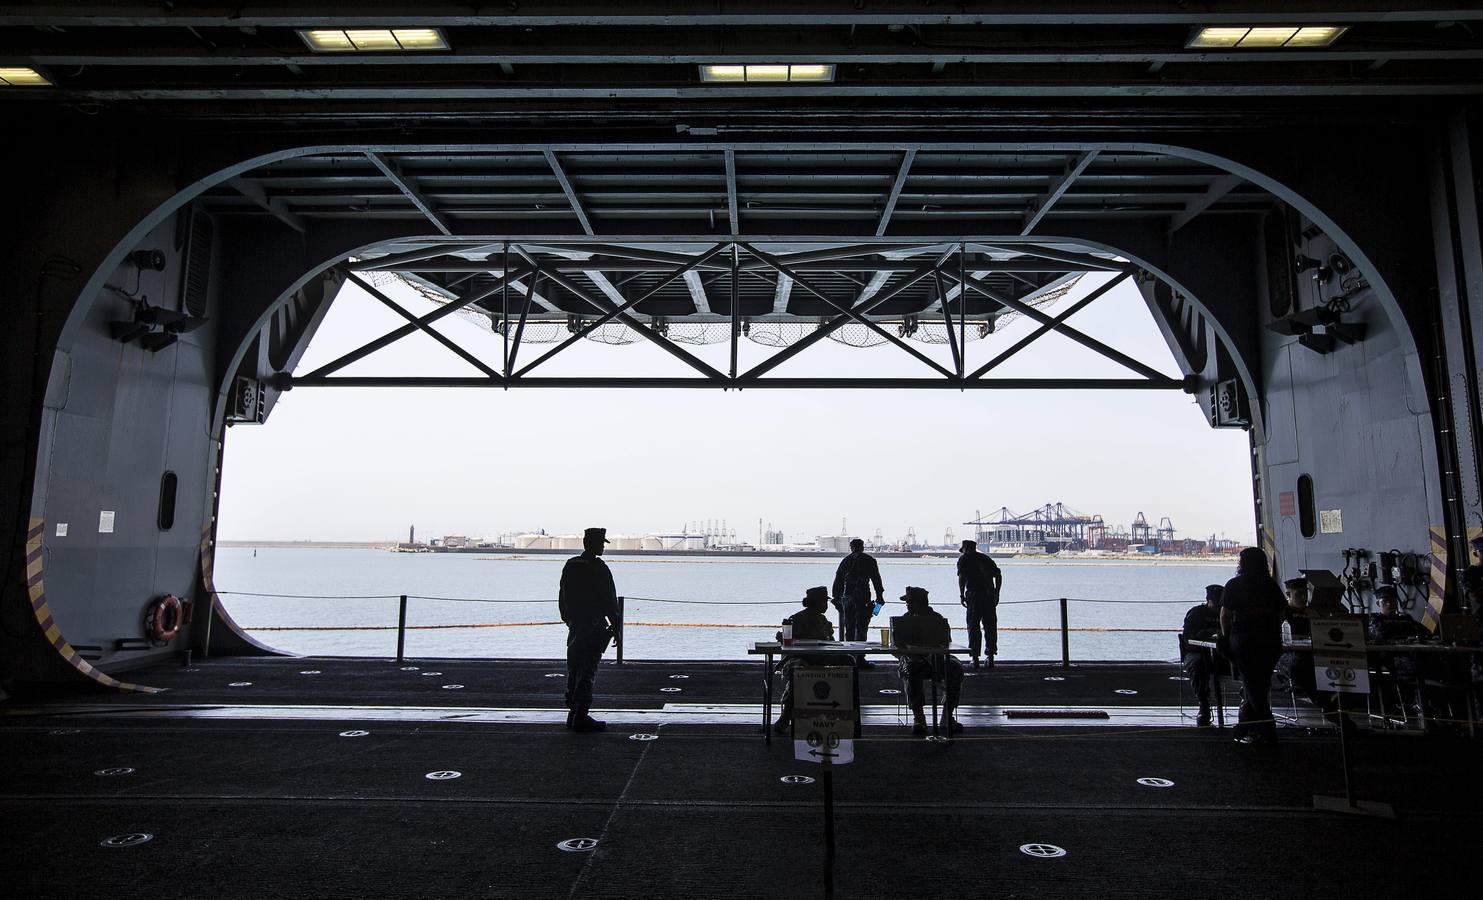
779,334
700,332
768,334
854,334
615,333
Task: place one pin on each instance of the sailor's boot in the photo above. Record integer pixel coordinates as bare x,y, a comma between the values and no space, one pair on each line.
919,721
950,725
582,722
1203,719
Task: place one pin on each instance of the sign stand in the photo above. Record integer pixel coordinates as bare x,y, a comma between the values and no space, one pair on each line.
1340,664
828,830
825,700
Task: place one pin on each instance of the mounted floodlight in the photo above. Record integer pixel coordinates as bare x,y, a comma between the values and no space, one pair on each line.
22,77
372,40
754,74
1262,36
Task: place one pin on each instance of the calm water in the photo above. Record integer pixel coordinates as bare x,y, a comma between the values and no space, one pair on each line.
737,601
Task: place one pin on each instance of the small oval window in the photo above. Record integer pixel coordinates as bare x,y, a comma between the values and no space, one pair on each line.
167,501
1307,514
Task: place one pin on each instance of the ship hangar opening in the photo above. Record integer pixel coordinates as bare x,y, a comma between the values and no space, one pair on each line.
1299,214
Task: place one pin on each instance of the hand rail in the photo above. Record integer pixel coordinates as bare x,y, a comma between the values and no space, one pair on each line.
619,634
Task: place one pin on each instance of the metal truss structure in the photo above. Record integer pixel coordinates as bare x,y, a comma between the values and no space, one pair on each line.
888,290
651,240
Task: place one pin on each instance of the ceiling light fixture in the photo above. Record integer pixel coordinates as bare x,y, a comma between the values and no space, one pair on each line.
772,72
1264,36
372,40
22,77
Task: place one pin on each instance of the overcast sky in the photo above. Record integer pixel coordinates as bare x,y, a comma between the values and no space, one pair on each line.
363,464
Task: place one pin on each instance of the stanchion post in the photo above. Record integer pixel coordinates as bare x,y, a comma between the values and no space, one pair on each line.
621,620
828,829
401,628
1346,753
1065,637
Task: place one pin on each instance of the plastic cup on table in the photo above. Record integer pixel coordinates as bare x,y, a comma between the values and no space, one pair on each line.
885,637
787,634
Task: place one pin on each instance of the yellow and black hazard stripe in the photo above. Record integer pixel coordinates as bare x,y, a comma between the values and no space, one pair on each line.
36,591
1268,544
1436,589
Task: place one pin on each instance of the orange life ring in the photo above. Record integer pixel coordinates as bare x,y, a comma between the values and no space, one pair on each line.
162,621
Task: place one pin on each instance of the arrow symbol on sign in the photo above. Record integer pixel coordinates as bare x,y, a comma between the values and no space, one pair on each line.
824,753
830,703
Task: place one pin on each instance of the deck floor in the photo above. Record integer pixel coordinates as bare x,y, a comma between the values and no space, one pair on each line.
243,803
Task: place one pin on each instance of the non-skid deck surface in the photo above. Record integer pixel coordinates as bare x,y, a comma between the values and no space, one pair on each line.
246,807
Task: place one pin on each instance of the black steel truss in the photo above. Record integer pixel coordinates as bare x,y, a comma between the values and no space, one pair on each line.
907,284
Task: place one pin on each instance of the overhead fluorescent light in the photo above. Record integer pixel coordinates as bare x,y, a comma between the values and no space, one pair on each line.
771,72
22,77
372,40
1265,36
1315,36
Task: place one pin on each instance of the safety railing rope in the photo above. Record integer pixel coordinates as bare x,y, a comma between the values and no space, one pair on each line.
622,623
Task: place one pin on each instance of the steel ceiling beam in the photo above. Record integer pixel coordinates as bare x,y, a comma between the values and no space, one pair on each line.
254,192
1057,189
697,294
566,186
662,51
1218,189
1029,86
731,207
393,173
895,192
661,14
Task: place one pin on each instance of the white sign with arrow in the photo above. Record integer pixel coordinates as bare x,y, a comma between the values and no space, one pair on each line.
824,714
824,739
823,689
1343,635
1339,661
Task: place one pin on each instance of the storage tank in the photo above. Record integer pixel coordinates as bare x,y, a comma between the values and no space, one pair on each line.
694,542
671,541
532,542
567,542
625,542
651,542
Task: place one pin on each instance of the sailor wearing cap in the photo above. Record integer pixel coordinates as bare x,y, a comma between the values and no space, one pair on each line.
589,607
979,582
925,627
809,624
